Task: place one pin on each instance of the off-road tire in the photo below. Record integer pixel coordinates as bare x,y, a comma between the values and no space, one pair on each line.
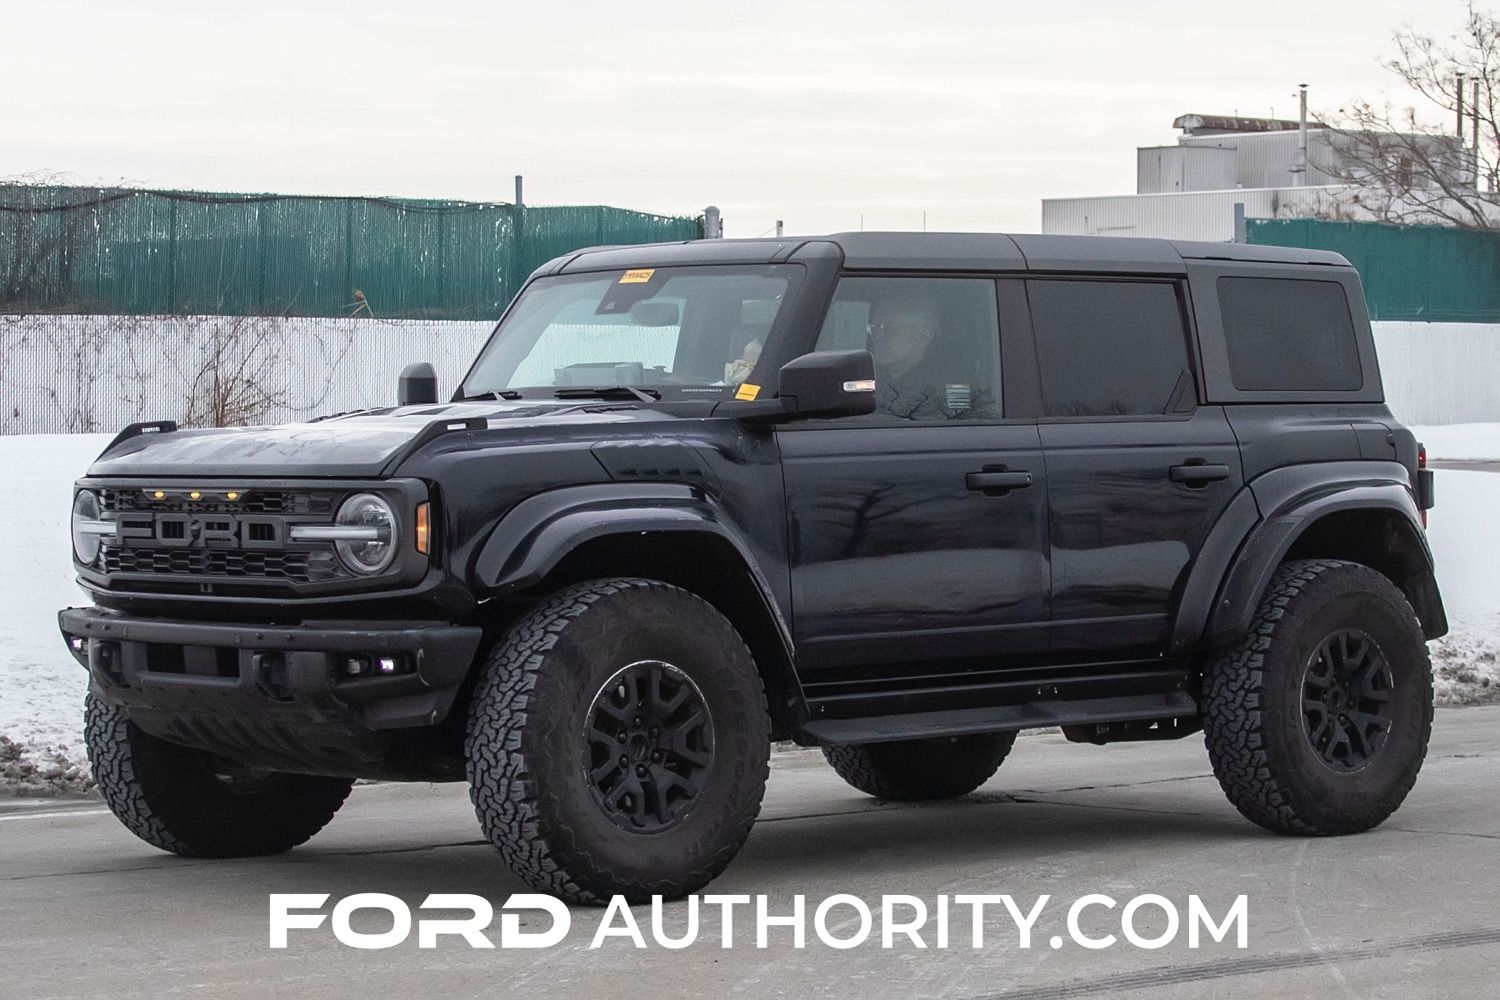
171,797
526,745
921,770
1253,712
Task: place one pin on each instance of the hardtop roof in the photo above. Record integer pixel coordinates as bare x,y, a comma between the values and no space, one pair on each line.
945,252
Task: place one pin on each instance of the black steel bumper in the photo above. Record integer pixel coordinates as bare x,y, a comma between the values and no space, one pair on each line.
277,696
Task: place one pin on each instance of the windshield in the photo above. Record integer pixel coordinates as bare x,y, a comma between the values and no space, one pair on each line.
665,330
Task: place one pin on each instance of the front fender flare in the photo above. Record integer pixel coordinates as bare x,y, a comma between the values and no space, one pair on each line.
539,533
536,534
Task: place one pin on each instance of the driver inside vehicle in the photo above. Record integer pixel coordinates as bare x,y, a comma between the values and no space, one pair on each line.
909,383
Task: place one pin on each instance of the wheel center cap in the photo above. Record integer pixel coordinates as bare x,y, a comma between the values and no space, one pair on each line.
640,749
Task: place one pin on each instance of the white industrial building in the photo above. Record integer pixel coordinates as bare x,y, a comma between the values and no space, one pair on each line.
1221,168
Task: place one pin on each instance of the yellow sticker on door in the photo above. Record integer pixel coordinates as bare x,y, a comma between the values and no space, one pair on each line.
637,277
747,391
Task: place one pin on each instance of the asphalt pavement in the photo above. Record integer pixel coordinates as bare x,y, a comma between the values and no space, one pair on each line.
1408,910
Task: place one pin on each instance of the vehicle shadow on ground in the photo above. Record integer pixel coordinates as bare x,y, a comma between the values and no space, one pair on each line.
869,849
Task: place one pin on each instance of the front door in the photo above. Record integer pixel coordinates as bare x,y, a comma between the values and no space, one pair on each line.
918,534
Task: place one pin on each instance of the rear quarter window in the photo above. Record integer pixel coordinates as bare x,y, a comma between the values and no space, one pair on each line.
1288,334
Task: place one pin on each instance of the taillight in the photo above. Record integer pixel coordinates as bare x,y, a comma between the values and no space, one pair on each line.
1424,484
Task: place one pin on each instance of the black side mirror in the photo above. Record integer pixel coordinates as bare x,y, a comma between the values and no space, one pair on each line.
417,385
828,384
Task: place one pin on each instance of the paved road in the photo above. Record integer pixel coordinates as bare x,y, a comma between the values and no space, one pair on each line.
1406,911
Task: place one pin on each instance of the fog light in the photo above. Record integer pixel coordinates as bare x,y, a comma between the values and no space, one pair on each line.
388,664
78,643
357,666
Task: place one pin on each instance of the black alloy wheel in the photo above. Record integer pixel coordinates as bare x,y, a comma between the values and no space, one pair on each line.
649,746
1317,719
618,742
1346,700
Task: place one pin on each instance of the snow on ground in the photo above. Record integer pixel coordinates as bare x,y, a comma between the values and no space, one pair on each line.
41,688
1461,441
1465,538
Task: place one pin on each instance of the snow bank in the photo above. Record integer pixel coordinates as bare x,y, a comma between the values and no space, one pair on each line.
1461,441
1465,538
41,688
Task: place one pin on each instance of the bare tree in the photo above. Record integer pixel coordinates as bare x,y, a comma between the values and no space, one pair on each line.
1409,169
231,377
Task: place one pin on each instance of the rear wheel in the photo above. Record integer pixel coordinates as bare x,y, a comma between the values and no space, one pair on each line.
1317,722
914,770
618,742
193,803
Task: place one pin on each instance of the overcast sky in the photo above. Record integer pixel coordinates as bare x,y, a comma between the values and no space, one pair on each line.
813,112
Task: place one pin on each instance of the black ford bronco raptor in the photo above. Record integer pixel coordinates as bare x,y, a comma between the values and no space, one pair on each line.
897,496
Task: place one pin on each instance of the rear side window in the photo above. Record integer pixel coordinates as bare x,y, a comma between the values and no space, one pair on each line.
1286,334
1110,348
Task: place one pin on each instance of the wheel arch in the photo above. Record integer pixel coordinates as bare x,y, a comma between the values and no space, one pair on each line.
1362,512
664,532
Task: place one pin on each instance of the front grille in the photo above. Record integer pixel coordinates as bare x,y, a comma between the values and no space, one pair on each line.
234,537
310,502
264,564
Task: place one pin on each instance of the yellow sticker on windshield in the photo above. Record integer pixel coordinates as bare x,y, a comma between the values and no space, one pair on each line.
747,392
637,277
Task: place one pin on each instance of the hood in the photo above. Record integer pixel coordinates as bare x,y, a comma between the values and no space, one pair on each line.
365,444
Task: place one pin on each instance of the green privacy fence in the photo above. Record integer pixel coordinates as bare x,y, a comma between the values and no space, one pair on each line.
1431,273
119,251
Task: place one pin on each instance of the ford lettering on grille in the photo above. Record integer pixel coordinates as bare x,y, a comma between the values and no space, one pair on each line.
215,530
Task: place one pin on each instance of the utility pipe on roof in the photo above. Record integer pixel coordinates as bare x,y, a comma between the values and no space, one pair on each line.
1460,107
1302,139
1474,145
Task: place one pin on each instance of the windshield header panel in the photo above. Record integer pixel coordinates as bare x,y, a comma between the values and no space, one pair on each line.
669,333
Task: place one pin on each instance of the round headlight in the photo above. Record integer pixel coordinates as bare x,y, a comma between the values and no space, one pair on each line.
86,537
373,552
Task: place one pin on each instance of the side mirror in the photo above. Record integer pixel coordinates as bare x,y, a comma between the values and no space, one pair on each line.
417,385
828,384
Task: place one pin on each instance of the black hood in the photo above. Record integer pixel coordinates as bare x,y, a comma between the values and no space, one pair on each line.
357,445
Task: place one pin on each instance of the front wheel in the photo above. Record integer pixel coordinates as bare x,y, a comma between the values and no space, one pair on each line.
193,803
1317,721
618,742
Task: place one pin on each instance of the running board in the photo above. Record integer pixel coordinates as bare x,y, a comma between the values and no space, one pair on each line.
996,719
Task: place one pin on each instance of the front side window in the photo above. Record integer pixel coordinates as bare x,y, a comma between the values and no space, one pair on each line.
936,343
1109,348
671,330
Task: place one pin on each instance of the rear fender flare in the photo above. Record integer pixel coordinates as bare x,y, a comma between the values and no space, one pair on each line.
1292,499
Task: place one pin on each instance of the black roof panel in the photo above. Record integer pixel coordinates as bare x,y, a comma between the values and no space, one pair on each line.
944,252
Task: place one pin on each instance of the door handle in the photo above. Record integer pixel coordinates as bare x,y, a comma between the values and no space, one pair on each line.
995,484
1198,474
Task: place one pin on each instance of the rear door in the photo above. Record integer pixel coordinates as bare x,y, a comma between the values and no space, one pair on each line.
918,533
1138,470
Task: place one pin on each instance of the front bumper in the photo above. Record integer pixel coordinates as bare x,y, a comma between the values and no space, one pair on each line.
276,696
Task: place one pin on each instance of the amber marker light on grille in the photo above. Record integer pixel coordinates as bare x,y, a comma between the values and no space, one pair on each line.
159,495
195,495
424,528
232,495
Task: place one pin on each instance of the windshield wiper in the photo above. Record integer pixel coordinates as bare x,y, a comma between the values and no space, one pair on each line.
608,392
492,394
